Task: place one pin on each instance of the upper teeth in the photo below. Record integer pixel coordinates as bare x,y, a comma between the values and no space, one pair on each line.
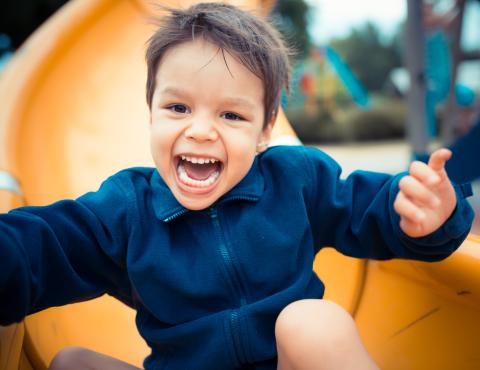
199,160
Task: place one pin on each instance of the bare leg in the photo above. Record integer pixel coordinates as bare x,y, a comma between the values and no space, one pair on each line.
318,334
78,358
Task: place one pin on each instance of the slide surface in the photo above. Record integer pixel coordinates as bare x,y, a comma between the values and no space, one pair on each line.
74,112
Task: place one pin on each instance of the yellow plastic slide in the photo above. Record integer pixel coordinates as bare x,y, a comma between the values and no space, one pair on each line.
73,112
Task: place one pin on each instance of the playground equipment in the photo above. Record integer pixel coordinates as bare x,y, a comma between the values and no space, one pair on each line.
325,76
433,69
73,112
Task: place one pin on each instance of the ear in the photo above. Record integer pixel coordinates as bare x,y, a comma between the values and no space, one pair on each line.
265,136
267,131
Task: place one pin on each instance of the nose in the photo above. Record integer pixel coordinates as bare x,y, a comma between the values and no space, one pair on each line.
201,130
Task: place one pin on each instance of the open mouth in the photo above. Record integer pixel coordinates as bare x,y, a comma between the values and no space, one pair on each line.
198,172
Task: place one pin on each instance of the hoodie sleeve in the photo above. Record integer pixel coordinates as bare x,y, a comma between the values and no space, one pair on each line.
69,251
356,215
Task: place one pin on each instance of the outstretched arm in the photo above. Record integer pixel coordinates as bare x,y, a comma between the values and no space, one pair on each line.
62,253
374,215
426,198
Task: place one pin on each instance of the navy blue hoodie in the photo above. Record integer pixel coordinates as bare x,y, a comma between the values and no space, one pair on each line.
208,285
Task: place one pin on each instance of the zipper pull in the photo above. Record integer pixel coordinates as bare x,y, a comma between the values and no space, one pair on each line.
213,212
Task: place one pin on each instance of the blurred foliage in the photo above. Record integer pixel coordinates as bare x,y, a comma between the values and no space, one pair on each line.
292,18
370,57
384,120
314,127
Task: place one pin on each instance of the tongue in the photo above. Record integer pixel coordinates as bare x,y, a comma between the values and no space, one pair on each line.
200,171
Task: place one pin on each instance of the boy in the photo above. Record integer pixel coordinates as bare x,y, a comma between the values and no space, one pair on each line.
214,248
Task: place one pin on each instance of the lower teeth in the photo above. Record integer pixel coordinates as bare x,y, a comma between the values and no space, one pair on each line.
182,174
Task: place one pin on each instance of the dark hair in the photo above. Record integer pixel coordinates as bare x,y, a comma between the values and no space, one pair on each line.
247,37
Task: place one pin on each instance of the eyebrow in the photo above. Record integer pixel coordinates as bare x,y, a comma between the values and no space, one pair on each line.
240,102
236,101
173,91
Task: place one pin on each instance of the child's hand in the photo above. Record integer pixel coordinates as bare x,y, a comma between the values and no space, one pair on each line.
426,198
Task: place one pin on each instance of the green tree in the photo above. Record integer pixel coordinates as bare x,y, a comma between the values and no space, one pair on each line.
370,57
292,18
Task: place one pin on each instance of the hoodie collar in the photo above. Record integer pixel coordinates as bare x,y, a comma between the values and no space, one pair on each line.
167,207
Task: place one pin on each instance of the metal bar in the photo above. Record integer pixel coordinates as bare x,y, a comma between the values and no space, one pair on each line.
415,62
451,108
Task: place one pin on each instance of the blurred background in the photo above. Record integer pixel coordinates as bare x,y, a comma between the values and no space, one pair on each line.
375,83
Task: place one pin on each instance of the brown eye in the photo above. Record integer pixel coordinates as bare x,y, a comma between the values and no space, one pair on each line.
232,116
178,108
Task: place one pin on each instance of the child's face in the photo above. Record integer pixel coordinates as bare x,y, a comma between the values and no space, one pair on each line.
204,111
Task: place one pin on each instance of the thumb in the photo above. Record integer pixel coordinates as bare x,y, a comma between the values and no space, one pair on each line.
437,161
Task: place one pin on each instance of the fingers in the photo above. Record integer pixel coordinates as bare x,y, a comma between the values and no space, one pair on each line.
438,159
407,209
418,192
426,197
434,172
413,229
424,173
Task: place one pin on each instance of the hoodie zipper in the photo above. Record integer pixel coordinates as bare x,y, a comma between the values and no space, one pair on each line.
175,215
233,275
227,258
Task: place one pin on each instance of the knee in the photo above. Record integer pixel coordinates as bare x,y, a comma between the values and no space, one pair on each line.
313,325
67,358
